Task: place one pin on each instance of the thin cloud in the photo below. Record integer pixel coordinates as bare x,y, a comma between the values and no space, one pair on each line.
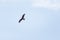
50,4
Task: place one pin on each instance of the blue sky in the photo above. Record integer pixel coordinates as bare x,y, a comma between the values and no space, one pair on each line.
42,20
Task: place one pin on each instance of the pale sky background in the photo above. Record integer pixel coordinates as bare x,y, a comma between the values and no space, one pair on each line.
42,20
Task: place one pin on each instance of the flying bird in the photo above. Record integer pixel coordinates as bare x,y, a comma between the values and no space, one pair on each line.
22,18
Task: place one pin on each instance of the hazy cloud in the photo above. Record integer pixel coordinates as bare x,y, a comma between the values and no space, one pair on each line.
50,4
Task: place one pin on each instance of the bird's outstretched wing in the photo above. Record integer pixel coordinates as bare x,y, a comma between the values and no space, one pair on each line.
20,20
23,15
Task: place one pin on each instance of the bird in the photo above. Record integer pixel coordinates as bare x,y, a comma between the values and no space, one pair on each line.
22,18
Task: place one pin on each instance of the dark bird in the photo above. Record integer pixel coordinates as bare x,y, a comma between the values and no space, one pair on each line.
22,18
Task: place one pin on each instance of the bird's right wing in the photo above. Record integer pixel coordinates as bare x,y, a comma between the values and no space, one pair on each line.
20,20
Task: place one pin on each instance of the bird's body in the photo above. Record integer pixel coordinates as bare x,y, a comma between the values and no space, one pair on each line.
22,18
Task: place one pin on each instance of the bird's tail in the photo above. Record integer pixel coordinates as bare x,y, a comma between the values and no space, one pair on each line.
23,18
